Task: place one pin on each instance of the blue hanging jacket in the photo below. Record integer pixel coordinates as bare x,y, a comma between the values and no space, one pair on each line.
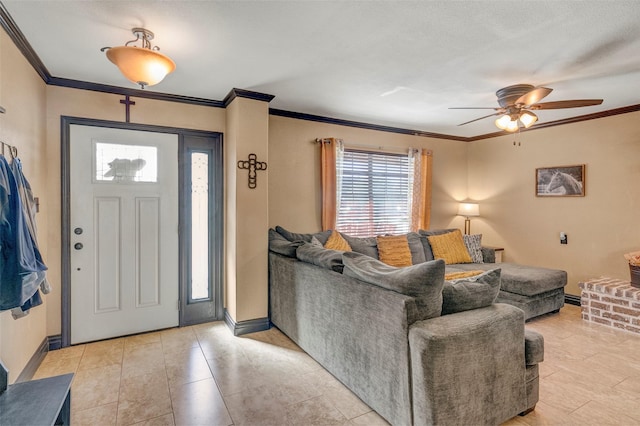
21,266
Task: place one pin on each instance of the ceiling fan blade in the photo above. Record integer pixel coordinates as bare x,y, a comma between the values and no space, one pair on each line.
493,108
481,118
566,104
533,96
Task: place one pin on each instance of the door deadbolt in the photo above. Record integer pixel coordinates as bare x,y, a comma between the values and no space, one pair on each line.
77,231
78,246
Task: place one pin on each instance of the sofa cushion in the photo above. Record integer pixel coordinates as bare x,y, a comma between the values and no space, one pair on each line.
368,246
470,293
423,281
292,236
336,242
449,247
394,250
416,248
424,234
474,247
320,256
280,245
521,279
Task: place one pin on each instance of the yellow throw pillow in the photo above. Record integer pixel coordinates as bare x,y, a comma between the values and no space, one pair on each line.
450,247
337,242
394,250
462,274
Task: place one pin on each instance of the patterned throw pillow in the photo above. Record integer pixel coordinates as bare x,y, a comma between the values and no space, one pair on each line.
336,242
462,274
450,247
474,246
394,250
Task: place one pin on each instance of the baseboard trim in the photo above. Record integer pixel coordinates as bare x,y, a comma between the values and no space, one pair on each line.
32,366
570,299
55,342
246,327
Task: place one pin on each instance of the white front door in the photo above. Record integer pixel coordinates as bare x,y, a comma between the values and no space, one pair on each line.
124,232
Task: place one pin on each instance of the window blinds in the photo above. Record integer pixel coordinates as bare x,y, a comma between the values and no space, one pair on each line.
375,193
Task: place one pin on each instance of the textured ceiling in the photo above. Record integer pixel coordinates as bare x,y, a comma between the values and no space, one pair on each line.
392,63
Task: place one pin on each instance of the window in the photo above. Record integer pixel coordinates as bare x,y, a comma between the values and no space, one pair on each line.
374,193
125,163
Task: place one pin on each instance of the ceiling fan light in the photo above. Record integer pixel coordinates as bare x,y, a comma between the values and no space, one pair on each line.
512,126
503,122
528,119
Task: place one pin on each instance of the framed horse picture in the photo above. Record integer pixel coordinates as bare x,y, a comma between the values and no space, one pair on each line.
562,181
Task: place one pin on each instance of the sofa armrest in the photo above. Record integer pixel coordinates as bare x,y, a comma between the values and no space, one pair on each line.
469,367
488,255
533,347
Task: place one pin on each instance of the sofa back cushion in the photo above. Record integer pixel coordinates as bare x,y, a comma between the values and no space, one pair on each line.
280,245
292,236
470,293
423,281
320,256
450,247
368,246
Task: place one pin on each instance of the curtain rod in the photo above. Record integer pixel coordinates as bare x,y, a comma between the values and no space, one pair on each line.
374,147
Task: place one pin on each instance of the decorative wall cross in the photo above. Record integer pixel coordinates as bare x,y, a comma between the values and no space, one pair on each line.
127,102
253,166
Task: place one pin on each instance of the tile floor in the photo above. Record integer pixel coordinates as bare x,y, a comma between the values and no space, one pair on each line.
204,375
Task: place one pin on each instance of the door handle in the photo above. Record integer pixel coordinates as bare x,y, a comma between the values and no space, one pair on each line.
78,246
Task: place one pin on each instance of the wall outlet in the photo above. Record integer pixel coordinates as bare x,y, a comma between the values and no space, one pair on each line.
563,238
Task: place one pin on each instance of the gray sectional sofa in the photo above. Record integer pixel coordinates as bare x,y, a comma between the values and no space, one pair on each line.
416,349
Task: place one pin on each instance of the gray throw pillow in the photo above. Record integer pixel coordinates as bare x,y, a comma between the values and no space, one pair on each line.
474,247
423,281
470,293
279,244
428,254
292,236
368,246
320,256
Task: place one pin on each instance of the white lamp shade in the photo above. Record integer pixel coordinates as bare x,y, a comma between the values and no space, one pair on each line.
468,209
141,66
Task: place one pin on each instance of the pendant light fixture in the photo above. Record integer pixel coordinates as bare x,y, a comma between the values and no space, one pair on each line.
143,65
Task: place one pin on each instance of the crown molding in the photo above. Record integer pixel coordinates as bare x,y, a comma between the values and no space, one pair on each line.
248,94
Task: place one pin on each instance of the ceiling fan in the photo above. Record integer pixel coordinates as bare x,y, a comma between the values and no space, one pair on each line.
517,103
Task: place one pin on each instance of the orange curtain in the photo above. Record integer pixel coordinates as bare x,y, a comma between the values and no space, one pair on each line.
329,182
421,201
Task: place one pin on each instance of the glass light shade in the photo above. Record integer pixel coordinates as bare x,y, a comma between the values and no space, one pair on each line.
139,65
468,209
503,122
512,126
528,118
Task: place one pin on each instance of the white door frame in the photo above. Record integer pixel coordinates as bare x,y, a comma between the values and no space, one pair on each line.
215,311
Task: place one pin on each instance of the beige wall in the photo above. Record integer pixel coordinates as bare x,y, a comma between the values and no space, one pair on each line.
294,170
22,93
601,226
83,103
246,211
